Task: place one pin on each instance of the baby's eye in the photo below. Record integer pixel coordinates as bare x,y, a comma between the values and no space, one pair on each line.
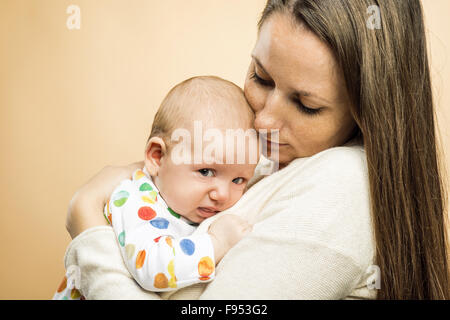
206,172
238,180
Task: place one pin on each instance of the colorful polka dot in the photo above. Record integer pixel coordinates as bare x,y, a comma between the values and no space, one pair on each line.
173,282
75,294
205,268
146,213
151,198
129,250
157,239
120,198
187,246
160,223
63,285
176,215
140,259
169,241
145,187
161,281
122,238
173,279
139,174
171,267
108,215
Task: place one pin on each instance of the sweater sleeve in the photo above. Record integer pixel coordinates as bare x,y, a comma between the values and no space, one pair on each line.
285,268
103,274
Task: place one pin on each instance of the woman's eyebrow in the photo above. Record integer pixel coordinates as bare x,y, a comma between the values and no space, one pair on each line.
259,64
302,93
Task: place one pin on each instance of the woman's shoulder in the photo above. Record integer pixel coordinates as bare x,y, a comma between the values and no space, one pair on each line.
336,172
348,152
348,161
343,155
326,200
338,164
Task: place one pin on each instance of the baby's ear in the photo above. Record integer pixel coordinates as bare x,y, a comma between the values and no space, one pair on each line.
154,152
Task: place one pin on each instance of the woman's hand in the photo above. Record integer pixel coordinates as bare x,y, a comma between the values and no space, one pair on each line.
86,207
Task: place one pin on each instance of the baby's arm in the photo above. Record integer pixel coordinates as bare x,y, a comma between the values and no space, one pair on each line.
166,263
225,232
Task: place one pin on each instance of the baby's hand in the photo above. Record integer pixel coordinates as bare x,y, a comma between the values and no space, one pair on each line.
225,232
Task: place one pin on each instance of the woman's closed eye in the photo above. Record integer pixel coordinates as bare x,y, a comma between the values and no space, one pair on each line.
305,109
206,172
265,83
300,106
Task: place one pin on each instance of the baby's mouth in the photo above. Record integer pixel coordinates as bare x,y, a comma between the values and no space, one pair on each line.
207,212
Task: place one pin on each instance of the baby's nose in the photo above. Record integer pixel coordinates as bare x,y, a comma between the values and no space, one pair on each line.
220,192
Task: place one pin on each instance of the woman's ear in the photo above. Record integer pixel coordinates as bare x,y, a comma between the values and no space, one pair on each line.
154,152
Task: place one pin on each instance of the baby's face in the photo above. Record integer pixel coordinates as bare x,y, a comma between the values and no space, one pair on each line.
199,191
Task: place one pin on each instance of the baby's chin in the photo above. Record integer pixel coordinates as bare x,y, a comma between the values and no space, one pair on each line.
195,220
197,216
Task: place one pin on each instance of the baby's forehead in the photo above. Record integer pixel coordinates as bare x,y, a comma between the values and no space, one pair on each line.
228,163
235,170
209,144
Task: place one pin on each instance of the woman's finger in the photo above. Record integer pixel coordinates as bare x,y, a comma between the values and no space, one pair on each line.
86,207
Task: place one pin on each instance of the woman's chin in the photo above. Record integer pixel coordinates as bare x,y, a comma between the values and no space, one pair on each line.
282,158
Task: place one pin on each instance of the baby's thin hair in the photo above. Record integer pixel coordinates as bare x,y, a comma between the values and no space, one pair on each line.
182,103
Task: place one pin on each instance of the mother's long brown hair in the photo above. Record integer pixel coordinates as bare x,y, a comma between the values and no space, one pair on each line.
388,80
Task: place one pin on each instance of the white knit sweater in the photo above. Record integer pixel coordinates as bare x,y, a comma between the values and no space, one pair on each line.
312,239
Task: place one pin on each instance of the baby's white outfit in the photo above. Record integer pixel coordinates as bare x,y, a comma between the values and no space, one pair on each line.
156,242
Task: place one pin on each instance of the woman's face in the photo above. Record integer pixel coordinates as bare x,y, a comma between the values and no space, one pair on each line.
294,86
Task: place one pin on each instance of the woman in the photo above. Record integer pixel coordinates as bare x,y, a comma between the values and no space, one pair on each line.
360,187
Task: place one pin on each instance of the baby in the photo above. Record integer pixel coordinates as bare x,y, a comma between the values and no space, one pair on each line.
155,213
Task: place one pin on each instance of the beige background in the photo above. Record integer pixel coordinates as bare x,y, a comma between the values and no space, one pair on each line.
73,101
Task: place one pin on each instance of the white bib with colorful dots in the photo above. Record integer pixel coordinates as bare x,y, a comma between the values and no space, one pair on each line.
155,241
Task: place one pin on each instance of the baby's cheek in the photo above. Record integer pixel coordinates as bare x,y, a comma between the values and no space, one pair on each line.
175,199
188,198
235,197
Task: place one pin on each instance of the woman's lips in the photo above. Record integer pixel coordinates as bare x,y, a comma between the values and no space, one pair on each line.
274,144
206,212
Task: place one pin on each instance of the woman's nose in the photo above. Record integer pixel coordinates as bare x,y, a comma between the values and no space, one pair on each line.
268,117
